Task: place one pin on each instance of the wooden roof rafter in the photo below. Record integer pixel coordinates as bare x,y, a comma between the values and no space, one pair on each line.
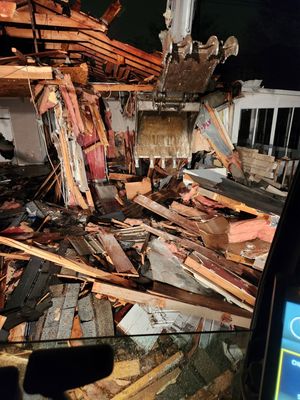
55,42
90,42
83,35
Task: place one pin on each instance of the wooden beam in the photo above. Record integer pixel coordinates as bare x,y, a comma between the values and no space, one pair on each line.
25,72
41,54
118,87
15,256
224,200
53,8
164,212
150,377
78,74
92,147
81,17
61,21
98,57
111,12
102,46
211,301
135,297
68,263
225,279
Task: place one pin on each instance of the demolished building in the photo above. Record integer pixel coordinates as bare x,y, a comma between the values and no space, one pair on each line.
126,208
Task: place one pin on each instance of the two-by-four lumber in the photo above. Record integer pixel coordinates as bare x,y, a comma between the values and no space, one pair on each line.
117,255
172,216
135,297
23,17
121,87
86,19
73,265
102,46
25,72
223,278
224,200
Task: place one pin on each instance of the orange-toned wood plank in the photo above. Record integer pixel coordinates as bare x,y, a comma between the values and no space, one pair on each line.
25,72
119,87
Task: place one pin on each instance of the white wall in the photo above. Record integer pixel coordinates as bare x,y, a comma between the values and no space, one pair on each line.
23,129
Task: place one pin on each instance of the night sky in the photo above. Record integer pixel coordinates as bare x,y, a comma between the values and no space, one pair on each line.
268,32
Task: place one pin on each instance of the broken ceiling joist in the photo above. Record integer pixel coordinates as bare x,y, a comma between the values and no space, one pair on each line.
25,72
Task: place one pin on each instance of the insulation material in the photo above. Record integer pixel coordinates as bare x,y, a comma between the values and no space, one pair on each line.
251,229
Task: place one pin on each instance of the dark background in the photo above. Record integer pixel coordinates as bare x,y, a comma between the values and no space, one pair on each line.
268,32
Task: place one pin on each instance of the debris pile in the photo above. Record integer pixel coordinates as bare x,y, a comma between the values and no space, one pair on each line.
192,249
117,235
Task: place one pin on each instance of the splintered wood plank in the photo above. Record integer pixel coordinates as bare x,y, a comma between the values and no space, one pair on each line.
225,279
25,72
117,255
158,385
134,188
209,254
189,212
213,302
213,232
17,334
230,203
79,74
100,127
14,256
151,376
151,205
113,176
73,188
135,297
92,147
93,22
68,263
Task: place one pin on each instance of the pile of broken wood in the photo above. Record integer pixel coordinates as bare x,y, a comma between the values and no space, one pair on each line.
193,247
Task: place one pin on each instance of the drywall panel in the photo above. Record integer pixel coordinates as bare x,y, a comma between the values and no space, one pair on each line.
5,128
29,146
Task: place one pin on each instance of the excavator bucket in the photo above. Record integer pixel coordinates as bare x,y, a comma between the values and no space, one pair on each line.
189,66
164,124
